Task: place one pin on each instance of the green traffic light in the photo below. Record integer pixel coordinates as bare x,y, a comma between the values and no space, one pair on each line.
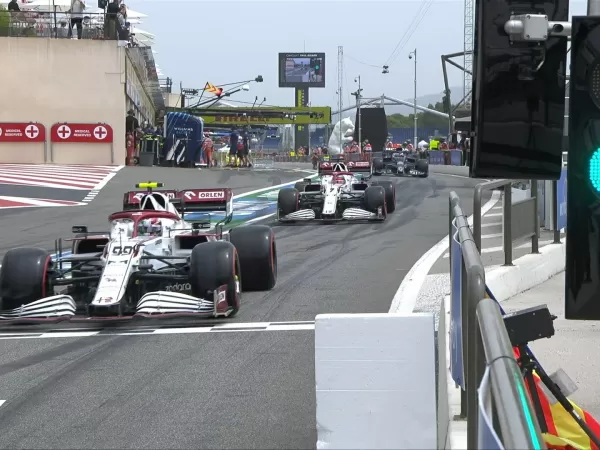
317,67
595,170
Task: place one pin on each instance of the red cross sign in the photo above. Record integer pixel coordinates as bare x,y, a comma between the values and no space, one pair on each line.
22,132
81,133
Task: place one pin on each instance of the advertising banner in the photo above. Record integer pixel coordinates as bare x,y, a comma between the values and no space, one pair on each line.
456,343
81,133
22,132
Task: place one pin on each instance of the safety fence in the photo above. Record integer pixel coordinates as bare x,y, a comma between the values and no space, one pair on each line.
61,25
446,158
494,397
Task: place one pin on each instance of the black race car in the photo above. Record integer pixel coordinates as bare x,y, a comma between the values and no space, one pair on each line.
401,164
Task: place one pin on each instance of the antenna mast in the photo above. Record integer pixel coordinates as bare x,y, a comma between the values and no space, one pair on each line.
340,71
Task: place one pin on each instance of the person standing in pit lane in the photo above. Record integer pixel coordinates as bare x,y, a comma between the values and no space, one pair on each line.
246,148
234,137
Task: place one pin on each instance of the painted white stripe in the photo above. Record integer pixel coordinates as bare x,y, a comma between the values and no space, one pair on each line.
2,402
232,327
497,208
492,224
12,180
36,202
68,334
491,236
107,178
65,175
494,215
407,294
271,188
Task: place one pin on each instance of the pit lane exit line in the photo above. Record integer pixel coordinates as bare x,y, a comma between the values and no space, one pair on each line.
232,327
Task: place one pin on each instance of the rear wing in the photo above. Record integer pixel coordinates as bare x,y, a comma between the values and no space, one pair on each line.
329,167
204,200
133,199
187,200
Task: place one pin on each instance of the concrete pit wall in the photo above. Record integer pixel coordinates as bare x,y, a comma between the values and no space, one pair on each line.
63,80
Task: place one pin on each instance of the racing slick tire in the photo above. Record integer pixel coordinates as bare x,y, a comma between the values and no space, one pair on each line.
390,194
378,166
374,198
24,277
300,186
214,264
422,166
257,252
288,201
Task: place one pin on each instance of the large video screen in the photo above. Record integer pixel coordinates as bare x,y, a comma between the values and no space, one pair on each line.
302,70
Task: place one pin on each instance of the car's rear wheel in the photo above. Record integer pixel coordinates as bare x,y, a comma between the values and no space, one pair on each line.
257,251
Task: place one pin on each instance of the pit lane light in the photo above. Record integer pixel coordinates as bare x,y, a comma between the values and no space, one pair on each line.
583,177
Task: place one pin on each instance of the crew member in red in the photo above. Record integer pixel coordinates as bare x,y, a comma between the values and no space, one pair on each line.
409,146
367,147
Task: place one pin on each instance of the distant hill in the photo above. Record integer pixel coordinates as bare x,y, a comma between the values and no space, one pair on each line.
424,100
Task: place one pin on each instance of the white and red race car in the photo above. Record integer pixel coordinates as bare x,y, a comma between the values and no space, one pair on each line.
161,258
342,192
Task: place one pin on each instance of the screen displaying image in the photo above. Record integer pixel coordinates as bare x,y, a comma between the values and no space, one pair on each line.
302,70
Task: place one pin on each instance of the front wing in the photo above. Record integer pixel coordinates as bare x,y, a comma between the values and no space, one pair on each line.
153,305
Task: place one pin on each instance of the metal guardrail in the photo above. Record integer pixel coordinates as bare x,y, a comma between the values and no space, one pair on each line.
520,219
484,342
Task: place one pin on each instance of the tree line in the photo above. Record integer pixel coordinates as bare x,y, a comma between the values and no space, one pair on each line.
426,120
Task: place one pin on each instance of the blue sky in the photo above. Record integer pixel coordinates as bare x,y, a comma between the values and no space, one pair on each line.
227,41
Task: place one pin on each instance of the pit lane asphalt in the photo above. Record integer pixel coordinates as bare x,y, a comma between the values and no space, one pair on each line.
220,390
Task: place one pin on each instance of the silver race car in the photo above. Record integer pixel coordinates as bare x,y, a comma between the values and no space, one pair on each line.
342,192
161,258
402,164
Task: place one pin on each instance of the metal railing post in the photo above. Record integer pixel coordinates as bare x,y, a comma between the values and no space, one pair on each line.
535,239
474,288
555,212
507,225
477,215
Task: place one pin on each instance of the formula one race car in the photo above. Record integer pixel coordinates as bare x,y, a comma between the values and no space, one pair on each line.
340,193
162,258
401,164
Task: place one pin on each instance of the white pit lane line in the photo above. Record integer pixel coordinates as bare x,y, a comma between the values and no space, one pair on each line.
232,327
407,294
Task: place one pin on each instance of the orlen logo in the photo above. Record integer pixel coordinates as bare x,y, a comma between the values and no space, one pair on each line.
203,194
179,287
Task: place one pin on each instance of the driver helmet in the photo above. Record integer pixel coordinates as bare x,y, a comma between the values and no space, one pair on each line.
150,227
339,179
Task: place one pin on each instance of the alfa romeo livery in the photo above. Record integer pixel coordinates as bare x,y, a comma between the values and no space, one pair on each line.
162,257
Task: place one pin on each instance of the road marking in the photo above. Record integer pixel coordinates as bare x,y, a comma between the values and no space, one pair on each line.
494,215
407,294
271,188
231,327
497,208
492,224
491,236
2,402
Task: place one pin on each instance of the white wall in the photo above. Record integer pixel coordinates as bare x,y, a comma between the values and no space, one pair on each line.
63,80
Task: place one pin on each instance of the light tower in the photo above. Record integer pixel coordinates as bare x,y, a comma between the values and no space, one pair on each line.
469,32
340,70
